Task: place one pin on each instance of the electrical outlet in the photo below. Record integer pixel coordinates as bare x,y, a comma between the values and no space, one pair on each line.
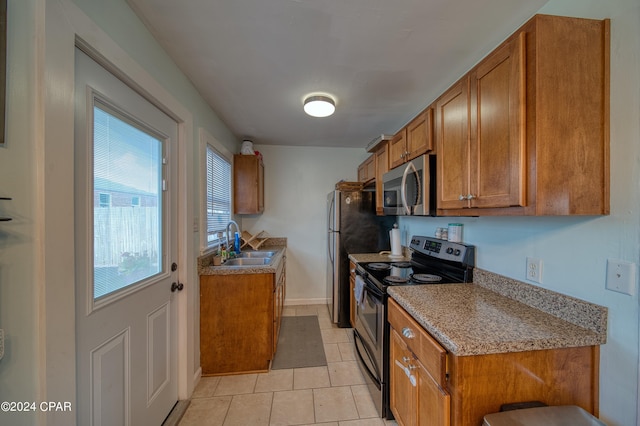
621,276
534,269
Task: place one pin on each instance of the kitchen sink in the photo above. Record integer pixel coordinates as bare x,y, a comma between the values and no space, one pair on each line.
255,254
247,261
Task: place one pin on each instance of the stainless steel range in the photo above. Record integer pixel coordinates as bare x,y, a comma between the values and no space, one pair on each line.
433,261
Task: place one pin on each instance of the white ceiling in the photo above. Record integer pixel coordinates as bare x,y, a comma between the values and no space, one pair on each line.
254,61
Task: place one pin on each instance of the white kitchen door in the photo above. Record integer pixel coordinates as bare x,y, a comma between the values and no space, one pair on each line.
126,243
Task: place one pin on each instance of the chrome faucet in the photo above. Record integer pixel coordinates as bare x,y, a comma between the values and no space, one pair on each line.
232,222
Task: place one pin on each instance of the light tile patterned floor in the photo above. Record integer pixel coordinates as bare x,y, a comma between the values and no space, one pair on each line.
334,395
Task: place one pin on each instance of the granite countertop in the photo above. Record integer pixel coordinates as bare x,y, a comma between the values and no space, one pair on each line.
205,266
470,319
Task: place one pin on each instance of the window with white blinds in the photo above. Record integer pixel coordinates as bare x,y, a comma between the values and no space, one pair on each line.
218,195
127,164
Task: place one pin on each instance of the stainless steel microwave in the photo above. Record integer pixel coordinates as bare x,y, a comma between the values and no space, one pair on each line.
410,189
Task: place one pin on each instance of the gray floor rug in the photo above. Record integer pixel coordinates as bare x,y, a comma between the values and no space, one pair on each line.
299,344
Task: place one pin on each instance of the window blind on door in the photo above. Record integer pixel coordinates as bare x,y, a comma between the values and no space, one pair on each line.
127,165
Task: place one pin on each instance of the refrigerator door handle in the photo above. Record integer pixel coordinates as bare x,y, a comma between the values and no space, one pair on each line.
329,244
331,214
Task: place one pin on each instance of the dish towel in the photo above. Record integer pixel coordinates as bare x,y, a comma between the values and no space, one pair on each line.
359,291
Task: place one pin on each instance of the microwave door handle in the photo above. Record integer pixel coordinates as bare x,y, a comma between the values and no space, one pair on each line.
403,191
403,187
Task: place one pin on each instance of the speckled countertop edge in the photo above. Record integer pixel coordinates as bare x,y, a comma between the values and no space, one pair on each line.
468,319
276,244
377,257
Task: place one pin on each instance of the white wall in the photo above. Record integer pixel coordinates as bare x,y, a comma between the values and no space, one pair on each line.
297,181
36,169
18,368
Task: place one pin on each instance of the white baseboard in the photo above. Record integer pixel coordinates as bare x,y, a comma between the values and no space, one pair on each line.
196,378
292,302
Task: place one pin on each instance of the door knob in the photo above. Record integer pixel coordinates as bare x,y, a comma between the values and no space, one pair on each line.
176,286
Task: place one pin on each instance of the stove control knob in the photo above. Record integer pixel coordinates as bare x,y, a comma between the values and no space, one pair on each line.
457,252
450,250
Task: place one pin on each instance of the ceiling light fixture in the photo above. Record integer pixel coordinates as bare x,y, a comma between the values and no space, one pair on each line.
319,105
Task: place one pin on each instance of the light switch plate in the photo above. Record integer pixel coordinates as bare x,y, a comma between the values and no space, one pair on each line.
621,276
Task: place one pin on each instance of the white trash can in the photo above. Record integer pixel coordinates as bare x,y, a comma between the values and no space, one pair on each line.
560,415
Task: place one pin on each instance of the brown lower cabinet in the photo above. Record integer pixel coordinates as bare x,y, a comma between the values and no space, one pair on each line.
430,386
416,397
240,318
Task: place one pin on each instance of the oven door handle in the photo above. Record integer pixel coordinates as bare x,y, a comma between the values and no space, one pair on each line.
370,287
356,338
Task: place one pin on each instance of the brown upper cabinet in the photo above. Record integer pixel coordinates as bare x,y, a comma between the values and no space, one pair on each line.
481,133
248,184
382,167
526,131
452,135
367,169
379,149
415,139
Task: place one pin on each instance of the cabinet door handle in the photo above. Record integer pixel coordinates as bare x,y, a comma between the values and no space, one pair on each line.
407,372
406,359
408,333
462,197
470,197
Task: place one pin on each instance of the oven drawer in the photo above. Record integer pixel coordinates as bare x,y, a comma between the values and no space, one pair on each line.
425,348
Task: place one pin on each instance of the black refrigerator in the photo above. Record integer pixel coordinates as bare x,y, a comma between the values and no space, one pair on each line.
353,227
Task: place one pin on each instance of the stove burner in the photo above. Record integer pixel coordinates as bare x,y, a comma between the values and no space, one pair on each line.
379,266
401,264
426,278
394,279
